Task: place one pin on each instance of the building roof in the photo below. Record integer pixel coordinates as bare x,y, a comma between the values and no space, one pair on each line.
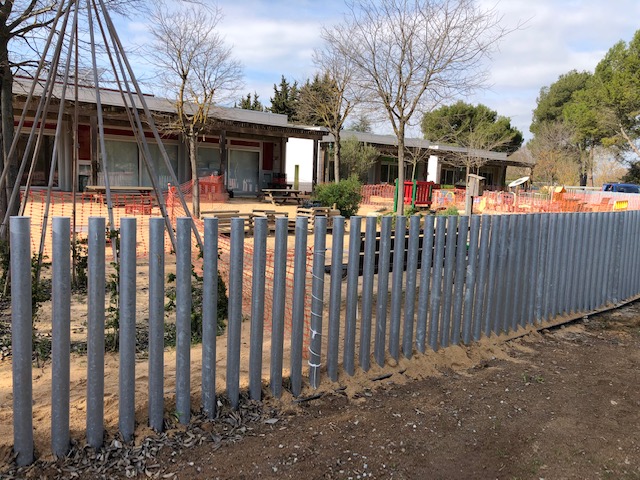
114,98
387,142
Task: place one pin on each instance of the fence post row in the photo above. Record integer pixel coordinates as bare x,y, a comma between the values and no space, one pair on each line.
449,280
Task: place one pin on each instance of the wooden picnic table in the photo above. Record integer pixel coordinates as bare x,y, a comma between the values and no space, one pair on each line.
118,189
145,196
278,196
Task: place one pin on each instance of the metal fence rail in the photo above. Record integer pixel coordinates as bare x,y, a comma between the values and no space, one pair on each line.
435,281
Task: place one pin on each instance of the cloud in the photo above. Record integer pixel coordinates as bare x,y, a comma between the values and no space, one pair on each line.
552,37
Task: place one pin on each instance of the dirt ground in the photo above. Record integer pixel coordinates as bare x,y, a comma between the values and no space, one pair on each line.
562,403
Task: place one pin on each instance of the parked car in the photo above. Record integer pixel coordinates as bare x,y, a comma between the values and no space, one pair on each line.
621,187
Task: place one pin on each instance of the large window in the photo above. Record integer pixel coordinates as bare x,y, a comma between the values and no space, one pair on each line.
244,171
208,161
122,164
159,165
127,168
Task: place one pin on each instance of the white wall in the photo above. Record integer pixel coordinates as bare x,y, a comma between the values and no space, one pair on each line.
300,152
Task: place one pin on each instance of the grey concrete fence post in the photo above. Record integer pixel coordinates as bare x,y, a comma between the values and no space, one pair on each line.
61,335
183,320
368,274
95,332
234,327
257,307
317,300
21,342
277,315
127,301
209,316
156,323
353,267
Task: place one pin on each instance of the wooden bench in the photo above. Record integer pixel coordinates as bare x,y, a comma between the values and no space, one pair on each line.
312,213
224,219
271,216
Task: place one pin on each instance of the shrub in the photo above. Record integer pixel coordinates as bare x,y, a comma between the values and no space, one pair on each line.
345,195
451,210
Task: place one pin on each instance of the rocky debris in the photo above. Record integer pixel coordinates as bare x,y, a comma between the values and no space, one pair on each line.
118,459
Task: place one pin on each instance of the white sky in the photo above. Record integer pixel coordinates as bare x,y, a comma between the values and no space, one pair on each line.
277,37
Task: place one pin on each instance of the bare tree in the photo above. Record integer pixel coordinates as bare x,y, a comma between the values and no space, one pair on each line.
555,154
24,28
197,70
409,55
329,100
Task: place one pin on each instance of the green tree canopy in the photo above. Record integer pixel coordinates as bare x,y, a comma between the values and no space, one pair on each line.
471,126
616,89
362,124
250,103
357,158
285,99
553,100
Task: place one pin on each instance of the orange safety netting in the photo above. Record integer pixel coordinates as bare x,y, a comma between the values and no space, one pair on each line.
535,202
143,207
377,194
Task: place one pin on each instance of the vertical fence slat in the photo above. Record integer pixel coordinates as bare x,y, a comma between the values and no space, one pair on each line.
156,323
580,255
469,292
383,290
517,270
127,304
541,262
436,283
605,232
447,285
21,342
510,274
234,327
425,281
490,297
550,280
95,332
479,304
257,306
564,263
183,320
633,287
60,337
410,291
534,267
609,267
353,267
399,243
367,292
592,262
556,254
459,278
297,317
317,300
277,316
335,297
498,288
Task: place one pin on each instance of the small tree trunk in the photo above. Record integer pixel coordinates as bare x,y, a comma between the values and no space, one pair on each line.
468,199
336,157
195,188
6,113
400,189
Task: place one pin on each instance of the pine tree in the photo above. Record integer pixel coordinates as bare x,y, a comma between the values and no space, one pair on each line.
247,103
285,99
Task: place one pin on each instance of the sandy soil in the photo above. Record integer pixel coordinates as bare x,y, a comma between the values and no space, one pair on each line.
562,403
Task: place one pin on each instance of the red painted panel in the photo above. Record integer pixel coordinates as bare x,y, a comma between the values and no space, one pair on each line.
267,156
